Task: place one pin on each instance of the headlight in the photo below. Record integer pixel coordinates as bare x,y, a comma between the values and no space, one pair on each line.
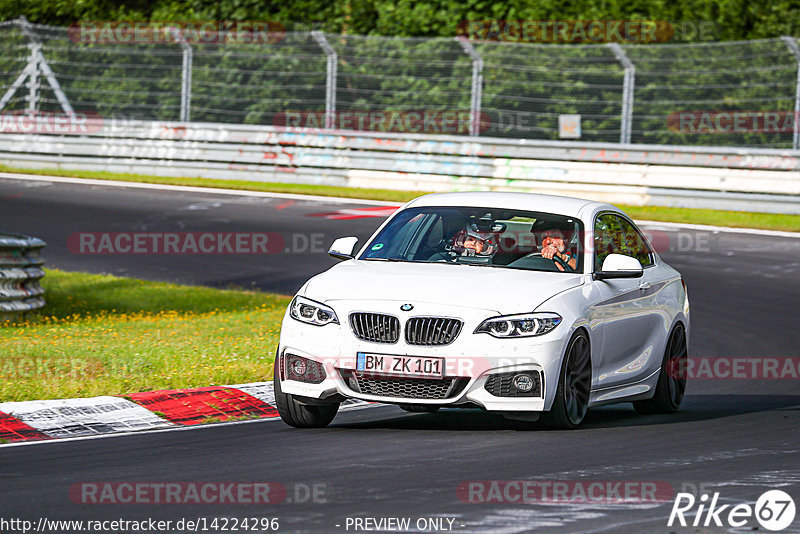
311,312
522,325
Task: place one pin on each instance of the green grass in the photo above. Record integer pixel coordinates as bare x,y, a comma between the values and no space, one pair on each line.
105,335
736,219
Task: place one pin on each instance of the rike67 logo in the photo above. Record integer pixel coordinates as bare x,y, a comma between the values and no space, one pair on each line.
774,510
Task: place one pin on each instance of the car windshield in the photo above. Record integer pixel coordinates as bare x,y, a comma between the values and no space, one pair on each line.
490,237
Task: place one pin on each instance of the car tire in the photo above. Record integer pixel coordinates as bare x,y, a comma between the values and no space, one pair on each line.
419,408
301,415
574,386
671,384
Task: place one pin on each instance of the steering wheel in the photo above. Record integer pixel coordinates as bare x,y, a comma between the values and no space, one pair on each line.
563,264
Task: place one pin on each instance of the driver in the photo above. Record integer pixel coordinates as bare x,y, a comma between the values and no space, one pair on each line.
554,245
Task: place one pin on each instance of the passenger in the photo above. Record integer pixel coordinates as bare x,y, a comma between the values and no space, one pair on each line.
471,242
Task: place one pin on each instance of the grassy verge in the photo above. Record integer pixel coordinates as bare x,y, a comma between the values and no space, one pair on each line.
736,219
104,335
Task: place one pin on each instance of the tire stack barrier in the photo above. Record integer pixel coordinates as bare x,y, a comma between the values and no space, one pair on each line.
20,272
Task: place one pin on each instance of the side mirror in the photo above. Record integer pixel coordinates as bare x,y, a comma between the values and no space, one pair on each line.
619,266
343,248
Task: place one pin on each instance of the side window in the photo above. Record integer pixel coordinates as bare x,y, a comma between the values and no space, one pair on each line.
637,245
613,234
609,238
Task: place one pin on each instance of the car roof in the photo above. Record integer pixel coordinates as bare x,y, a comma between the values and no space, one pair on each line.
522,201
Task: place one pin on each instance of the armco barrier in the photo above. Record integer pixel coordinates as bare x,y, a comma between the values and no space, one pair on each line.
20,272
738,179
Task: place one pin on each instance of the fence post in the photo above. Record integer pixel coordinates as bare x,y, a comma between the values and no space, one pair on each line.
795,50
33,79
477,85
628,82
36,64
186,75
330,78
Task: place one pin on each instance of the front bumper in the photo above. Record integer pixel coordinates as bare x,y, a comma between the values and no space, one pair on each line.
469,362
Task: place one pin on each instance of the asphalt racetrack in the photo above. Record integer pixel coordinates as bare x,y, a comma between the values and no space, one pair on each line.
737,437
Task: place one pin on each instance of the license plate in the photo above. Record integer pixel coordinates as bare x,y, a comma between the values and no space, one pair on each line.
388,364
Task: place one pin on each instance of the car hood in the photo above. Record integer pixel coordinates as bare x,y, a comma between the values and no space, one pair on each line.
500,290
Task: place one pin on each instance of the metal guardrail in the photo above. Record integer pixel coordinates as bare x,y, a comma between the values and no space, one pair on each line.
20,272
736,179
450,145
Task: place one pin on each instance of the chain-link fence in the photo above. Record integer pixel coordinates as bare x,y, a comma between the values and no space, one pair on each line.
678,94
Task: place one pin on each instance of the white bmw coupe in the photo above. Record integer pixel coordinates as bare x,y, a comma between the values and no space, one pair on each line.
532,306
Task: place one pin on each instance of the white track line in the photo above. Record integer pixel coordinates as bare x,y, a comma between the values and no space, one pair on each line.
341,200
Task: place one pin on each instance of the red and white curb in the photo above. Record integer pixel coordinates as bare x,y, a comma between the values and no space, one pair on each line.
151,410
